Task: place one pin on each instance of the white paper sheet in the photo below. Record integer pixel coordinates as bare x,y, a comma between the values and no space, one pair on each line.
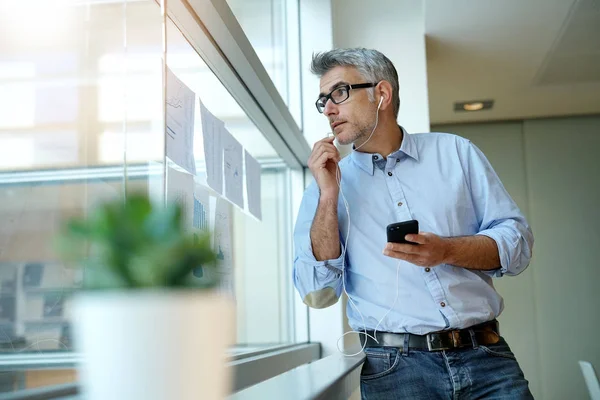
233,169
253,171
180,123
180,189
223,245
213,149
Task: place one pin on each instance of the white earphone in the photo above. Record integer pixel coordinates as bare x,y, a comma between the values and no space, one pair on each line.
351,302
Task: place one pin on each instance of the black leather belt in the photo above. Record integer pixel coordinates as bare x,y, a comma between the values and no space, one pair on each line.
484,334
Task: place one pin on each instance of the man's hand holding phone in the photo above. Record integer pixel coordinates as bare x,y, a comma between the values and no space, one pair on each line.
424,249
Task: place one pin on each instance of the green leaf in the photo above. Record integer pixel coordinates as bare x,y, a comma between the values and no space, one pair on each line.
133,243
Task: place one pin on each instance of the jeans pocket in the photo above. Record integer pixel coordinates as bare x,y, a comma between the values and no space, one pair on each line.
500,349
380,361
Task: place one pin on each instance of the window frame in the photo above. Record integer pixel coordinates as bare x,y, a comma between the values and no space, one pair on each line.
213,31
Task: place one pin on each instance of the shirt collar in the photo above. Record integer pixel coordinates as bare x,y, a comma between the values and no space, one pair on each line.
366,161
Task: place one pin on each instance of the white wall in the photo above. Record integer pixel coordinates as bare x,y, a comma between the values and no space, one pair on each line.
397,29
565,194
551,319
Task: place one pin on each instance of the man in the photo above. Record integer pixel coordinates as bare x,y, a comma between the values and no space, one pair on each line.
431,302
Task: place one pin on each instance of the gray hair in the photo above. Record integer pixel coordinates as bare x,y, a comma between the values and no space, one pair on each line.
371,64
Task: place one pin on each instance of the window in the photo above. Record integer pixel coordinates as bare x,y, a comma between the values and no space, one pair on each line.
272,26
81,121
261,254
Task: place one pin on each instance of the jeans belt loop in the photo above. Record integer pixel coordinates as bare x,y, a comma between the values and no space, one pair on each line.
473,339
406,345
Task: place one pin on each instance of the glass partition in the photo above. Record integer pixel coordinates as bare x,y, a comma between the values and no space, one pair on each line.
81,121
261,253
273,29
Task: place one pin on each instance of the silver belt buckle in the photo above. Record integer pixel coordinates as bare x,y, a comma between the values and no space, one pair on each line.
429,343
454,335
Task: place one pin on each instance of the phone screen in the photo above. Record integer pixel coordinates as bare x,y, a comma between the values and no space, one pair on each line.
397,231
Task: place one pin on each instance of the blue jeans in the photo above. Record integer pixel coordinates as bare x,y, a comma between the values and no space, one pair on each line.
482,372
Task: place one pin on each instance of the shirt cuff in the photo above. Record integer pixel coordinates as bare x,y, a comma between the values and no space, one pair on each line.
335,265
502,254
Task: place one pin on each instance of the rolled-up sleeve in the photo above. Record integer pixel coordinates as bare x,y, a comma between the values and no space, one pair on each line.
319,283
498,215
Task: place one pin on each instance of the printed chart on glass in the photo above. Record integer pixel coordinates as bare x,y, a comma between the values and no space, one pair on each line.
223,245
208,189
228,167
180,123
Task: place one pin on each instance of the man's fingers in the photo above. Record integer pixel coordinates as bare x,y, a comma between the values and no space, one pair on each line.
322,148
403,248
324,142
328,140
417,238
411,258
317,155
319,147
321,160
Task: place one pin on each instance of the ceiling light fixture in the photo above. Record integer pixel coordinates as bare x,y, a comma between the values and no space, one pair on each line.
475,105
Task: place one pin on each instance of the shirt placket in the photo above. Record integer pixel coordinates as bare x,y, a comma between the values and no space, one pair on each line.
401,207
402,212
439,297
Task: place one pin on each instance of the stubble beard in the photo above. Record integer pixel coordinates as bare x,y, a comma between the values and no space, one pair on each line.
360,134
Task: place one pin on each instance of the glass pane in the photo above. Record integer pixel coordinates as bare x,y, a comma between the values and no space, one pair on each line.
81,121
80,100
272,27
260,251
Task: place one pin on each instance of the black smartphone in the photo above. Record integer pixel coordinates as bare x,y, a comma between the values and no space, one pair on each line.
397,231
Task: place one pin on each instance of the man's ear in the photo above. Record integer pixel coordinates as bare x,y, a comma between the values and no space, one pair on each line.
384,89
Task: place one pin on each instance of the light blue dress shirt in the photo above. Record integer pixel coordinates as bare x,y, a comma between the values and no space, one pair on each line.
447,184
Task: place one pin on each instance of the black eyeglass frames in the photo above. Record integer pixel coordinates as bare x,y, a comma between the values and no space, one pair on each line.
340,94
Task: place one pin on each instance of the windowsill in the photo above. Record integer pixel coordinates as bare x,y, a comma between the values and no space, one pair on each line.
56,359
251,364
333,377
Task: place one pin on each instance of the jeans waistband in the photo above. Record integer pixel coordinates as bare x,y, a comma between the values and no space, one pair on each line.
481,334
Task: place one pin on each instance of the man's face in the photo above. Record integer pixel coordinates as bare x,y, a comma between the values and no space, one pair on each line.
354,118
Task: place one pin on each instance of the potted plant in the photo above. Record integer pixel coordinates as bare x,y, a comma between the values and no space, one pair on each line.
147,328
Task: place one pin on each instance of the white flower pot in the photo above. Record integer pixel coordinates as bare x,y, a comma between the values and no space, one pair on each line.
154,345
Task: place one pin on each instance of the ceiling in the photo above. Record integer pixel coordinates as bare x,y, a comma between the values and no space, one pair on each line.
534,58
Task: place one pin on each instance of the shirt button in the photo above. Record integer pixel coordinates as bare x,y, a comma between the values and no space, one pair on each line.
390,173
399,204
375,157
427,269
443,304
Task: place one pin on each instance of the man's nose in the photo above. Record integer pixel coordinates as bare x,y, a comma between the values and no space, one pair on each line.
330,108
